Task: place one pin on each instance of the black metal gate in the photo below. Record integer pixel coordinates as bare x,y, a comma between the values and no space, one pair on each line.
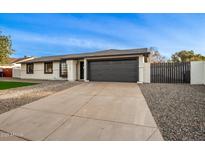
170,72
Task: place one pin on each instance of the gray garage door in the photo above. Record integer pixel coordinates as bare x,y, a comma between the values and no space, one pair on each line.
113,70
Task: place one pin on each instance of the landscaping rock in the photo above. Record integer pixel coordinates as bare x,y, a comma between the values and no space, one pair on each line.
178,109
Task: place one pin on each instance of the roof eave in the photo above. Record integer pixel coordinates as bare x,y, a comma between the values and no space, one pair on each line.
97,56
92,56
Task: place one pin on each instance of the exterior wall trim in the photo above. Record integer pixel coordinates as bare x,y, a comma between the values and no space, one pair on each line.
141,69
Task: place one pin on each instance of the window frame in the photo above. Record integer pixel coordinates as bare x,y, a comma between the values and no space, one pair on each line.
60,69
45,71
27,70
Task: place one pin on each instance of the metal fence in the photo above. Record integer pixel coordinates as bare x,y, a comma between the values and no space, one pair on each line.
170,72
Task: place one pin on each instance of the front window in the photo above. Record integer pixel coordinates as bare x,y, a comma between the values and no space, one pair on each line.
63,69
29,68
48,67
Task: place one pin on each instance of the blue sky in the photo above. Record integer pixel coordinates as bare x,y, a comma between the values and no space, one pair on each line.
57,34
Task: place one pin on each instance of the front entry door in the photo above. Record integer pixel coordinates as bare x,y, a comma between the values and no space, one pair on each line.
81,70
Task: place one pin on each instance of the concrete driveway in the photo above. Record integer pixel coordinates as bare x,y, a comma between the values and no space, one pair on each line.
89,111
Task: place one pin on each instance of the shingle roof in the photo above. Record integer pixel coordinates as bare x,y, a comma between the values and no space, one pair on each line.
111,52
19,60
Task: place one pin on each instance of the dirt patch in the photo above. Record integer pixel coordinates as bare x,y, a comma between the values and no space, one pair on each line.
178,109
13,98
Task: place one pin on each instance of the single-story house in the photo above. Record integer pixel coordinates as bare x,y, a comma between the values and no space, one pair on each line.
108,65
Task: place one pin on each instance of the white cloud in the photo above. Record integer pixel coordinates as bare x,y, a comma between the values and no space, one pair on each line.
82,42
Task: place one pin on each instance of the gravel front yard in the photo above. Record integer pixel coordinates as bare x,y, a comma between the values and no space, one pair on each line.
13,98
178,109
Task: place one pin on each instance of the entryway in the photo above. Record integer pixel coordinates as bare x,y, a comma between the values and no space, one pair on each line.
81,70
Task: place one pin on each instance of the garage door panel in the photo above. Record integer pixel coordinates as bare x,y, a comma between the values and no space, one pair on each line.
113,70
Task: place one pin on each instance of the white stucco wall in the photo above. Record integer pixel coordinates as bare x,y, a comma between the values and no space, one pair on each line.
16,72
72,70
39,72
146,71
198,72
141,69
204,73
85,70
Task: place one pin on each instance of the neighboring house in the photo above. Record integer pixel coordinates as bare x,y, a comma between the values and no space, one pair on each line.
13,67
1,72
109,65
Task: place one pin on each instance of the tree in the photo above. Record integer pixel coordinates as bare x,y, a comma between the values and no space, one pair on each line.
186,56
156,57
5,48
